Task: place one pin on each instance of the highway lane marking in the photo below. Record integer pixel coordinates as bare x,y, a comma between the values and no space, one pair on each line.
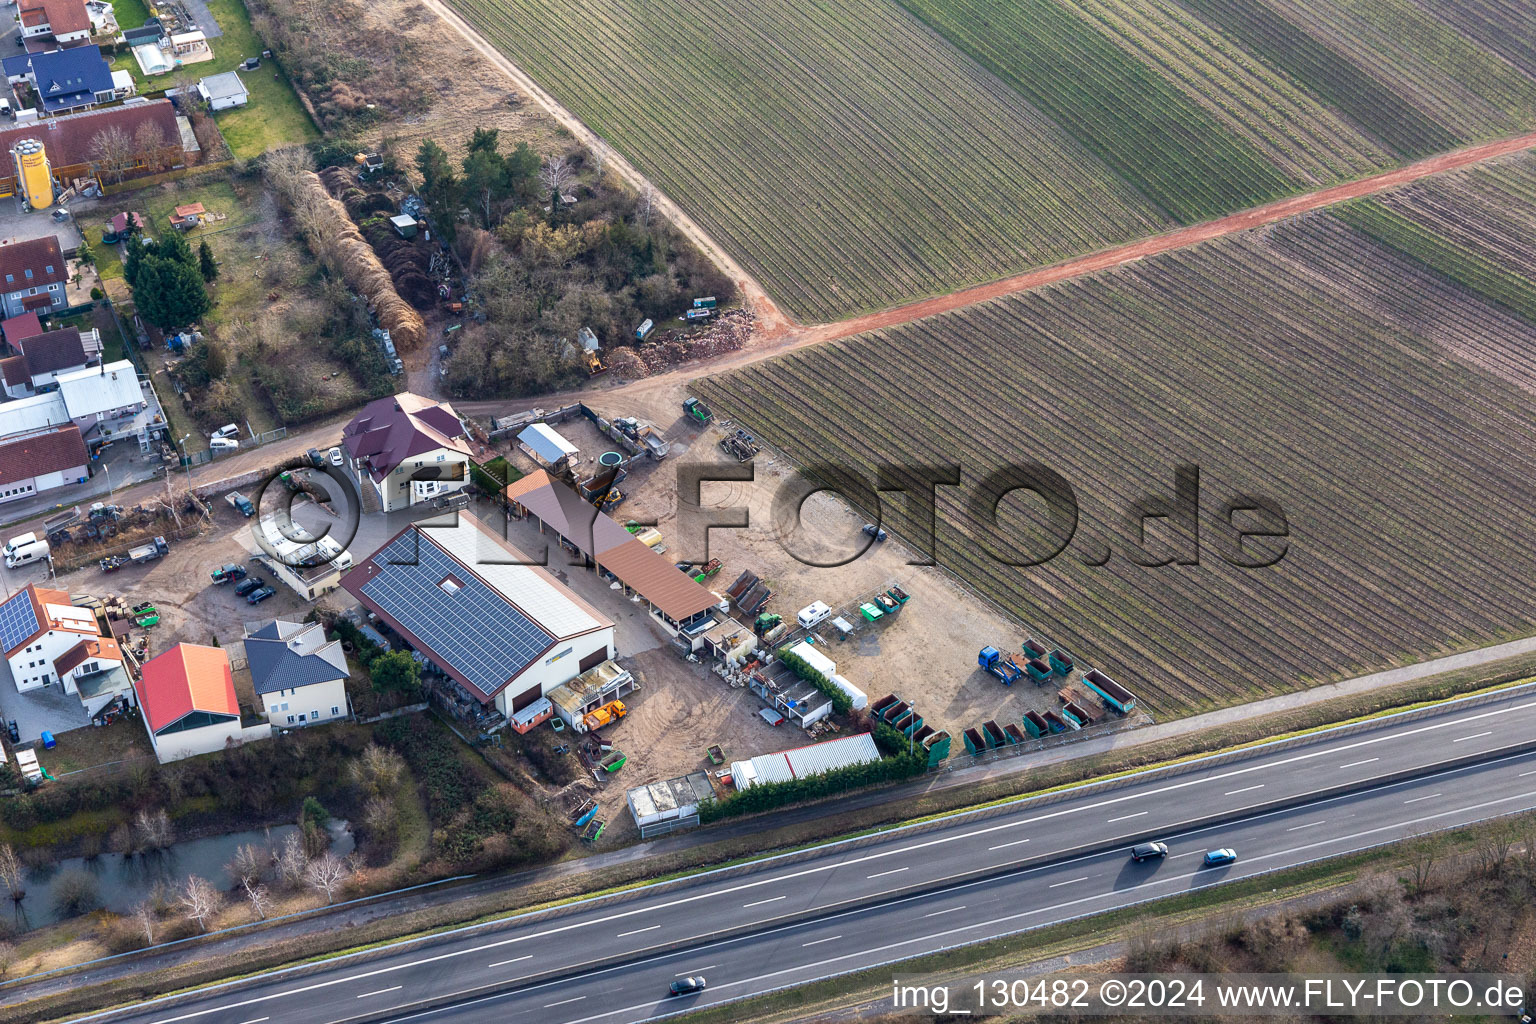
947,910
1524,774
1298,828
637,931
255,1020
1475,736
1216,880
817,942
551,1006
1418,798
514,960
451,954
382,991
1394,736
761,902
708,967
1250,789
1127,817
1021,842
1069,881
882,874
1357,764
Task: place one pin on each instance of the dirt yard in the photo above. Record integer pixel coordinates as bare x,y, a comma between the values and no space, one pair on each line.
926,654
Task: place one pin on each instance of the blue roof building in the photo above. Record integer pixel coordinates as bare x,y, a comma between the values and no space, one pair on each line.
64,80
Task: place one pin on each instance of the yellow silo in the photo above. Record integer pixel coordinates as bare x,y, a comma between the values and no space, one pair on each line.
34,177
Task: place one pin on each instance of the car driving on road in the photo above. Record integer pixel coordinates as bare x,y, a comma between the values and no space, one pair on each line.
1149,851
687,986
1216,858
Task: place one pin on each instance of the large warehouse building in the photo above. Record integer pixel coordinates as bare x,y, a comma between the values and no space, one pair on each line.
507,632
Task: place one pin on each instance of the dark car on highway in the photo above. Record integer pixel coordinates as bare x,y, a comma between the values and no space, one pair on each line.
1149,851
687,986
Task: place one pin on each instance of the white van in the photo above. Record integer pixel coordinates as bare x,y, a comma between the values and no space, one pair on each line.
813,614
19,541
227,430
224,444
33,552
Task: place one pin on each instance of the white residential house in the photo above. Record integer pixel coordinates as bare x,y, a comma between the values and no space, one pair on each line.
223,91
38,627
406,449
300,678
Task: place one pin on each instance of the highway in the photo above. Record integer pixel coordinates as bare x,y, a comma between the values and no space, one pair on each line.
792,919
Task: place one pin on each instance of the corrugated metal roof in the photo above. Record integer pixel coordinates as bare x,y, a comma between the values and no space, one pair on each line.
546,442
811,760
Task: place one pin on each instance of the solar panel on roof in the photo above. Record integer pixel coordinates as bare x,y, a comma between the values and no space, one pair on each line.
471,629
18,620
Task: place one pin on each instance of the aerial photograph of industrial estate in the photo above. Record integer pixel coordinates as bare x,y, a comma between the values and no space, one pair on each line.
810,512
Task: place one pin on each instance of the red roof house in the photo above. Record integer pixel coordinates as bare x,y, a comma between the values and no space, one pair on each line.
188,697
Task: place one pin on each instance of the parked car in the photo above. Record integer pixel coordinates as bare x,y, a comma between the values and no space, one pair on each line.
687,986
227,430
871,530
224,444
260,595
1149,851
230,572
316,457
336,457
1216,858
249,584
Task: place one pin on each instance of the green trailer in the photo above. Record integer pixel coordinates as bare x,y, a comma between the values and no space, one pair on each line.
870,612
937,746
974,744
613,760
1035,725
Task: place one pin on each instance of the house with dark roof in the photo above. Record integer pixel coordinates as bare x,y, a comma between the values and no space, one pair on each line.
478,610
32,276
187,694
300,677
65,81
37,462
406,449
42,357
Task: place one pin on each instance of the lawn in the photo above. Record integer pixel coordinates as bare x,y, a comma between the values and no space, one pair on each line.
274,116
852,154
1376,388
130,13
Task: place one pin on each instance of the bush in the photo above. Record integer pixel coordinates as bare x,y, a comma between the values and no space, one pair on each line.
97,294
768,795
76,892
396,672
841,702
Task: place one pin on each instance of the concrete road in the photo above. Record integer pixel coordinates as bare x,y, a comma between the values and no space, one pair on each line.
789,919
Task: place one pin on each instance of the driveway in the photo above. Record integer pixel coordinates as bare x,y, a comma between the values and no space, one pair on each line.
48,707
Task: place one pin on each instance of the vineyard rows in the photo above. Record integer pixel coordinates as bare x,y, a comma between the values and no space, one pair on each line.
843,153
853,154
1378,403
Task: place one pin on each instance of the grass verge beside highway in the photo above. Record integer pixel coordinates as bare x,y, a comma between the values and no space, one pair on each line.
743,840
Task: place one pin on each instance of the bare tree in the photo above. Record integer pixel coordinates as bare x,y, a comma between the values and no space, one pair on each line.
1424,856
325,874
601,151
11,873
556,174
293,861
646,204
258,897
248,864
154,829
200,900
144,914
7,957
152,146
112,151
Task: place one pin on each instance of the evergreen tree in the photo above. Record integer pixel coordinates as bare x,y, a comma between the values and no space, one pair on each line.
205,263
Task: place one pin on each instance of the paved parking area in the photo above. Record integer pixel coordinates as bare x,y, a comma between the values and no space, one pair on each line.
18,223
47,708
